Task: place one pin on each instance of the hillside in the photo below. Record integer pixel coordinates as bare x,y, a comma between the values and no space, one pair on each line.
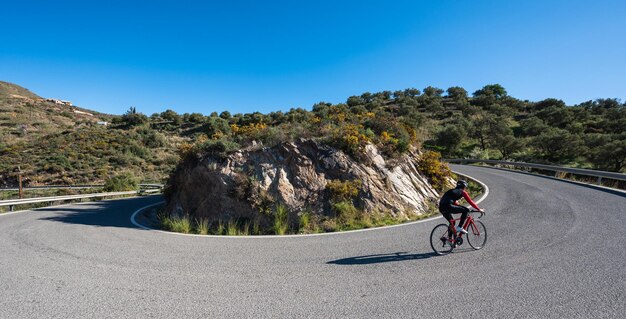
331,165
55,143
489,124
13,90
61,144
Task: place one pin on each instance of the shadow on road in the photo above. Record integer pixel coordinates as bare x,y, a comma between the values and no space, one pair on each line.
114,213
381,258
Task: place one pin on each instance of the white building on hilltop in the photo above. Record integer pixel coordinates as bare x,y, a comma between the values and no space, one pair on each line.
57,101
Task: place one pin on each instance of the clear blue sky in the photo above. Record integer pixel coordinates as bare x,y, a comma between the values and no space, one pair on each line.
246,56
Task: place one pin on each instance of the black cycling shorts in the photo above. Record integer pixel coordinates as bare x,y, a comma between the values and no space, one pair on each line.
448,210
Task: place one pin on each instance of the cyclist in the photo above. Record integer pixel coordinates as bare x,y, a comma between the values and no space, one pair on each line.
449,205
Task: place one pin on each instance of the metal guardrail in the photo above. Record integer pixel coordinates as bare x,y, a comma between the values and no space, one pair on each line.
151,185
73,187
577,171
13,202
51,187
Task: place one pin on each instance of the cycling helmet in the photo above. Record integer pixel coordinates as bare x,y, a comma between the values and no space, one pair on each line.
461,184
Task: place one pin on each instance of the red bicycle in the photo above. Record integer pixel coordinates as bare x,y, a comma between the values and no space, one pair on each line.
444,238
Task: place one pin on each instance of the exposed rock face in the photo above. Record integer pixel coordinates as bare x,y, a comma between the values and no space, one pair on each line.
296,175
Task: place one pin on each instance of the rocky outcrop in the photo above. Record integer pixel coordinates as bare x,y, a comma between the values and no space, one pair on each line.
296,174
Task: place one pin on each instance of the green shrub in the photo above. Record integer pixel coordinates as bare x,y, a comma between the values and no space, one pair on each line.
366,220
280,220
220,228
139,151
256,227
329,225
202,226
181,224
347,214
304,220
122,182
132,118
349,138
219,148
232,228
343,190
245,229
175,224
436,171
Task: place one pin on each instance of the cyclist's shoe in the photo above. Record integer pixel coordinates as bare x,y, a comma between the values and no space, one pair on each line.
460,230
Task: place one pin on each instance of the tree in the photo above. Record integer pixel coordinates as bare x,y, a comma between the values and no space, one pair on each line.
225,115
172,117
451,137
367,97
134,118
412,92
480,127
501,138
533,126
492,90
431,99
557,145
607,151
457,93
196,118
556,116
544,104
457,98
433,91
354,101
216,126
398,94
489,95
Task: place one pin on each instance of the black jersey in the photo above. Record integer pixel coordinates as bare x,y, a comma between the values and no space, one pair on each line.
450,197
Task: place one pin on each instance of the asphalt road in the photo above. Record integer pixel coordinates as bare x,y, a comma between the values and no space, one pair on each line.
554,250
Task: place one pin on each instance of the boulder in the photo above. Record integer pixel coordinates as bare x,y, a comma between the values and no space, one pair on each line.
295,174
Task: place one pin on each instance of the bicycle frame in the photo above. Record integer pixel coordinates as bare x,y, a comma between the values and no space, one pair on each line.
469,221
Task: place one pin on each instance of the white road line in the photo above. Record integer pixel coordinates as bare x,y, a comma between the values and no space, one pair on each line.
134,221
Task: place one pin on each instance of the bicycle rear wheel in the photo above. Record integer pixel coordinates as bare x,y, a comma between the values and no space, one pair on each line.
439,239
477,235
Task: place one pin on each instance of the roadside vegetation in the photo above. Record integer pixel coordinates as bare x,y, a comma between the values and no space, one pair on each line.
125,181
348,218
61,145
489,124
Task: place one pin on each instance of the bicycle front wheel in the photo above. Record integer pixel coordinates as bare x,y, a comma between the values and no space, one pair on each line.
477,235
440,239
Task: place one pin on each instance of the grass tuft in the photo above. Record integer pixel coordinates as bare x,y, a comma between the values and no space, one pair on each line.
231,228
220,228
202,226
245,229
304,221
256,227
181,224
280,220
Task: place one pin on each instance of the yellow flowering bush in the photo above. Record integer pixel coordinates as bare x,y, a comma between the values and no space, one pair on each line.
340,191
436,171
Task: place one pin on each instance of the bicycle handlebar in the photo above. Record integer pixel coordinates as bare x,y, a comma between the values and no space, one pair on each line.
477,211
